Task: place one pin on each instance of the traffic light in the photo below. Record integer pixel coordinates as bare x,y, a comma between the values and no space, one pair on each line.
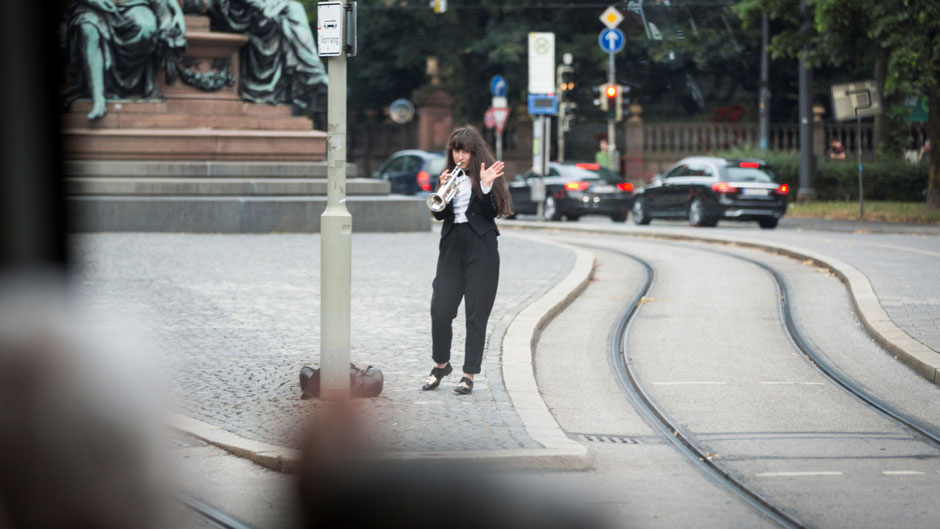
611,102
565,81
602,96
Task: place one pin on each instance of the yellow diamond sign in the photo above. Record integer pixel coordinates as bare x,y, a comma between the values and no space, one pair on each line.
611,17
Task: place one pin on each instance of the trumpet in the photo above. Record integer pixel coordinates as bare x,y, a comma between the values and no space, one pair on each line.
438,201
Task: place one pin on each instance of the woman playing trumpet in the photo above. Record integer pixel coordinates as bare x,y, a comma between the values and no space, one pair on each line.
468,262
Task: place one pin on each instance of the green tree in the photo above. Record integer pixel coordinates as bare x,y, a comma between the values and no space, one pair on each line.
901,36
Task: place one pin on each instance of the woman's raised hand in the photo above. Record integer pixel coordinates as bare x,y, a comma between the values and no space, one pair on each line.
495,171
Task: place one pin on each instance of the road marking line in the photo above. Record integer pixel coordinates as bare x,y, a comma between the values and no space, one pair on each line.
685,383
902,473
797,474
773,383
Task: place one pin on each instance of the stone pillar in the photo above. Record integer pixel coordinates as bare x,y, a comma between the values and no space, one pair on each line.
435,121
819,132
633,166
435,111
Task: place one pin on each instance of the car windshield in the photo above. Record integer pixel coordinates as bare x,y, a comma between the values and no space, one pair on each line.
589,171
750,174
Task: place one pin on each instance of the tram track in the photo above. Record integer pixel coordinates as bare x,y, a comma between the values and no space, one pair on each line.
621,361
210,514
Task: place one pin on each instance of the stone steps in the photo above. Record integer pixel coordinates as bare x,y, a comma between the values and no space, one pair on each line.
226,197
241,214
159,186
197,169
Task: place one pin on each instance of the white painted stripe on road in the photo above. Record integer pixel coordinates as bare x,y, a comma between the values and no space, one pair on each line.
686,383
775,383
902,473
797,474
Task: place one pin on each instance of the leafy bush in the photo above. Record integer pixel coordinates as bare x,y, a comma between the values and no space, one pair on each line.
883,179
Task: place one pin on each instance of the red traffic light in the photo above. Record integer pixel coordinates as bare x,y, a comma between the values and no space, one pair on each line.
611,90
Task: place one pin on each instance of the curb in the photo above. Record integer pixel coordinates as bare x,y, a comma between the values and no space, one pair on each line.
559,453
921,359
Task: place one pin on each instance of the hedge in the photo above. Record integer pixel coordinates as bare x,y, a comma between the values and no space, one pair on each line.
883,179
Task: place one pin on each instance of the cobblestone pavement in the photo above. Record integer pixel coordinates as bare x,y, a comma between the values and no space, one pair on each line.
235,317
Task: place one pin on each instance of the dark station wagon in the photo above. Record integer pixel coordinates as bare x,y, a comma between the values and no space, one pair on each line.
706,189
412,172
573,189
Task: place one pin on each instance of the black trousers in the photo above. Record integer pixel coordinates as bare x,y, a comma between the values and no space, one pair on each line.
467,268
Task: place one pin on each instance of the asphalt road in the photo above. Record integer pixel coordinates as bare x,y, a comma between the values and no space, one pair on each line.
709,346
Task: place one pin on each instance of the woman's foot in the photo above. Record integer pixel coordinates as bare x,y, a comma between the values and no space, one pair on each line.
465,387
437,373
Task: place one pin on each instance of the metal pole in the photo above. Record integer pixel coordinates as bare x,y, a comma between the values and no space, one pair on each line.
547,134
858,147
335,246
764,110
538,160
561,131
499,144
611,125
807,159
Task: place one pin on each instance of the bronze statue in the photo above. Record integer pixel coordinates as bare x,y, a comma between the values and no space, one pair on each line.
280,63
115,47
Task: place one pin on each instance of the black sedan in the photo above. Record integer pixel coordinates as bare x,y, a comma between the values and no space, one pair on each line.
706,189
571,190
412,172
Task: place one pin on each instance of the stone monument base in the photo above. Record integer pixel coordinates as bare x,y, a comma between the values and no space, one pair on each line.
226,197
202,160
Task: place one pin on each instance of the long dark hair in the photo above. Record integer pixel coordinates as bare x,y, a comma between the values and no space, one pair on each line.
468,139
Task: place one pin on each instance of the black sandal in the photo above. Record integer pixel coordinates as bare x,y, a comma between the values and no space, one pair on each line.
465,387
434,379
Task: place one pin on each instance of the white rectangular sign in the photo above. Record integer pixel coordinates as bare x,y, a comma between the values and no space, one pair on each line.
541,63
331,33
861,96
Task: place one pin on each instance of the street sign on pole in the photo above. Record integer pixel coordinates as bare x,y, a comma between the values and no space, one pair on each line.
611,17
489,120
541,63
501,116
498,86
611,40
331,29
543,104
855,100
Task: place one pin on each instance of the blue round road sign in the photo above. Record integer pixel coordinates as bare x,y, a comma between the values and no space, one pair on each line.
611,40
498,86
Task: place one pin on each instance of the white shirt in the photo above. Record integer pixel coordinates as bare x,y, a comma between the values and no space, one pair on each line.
462,200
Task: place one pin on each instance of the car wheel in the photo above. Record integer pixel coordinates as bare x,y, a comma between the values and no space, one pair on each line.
767,224
640,216
549,209
619,218
698,214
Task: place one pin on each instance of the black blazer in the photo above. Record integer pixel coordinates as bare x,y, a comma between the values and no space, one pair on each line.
481,213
